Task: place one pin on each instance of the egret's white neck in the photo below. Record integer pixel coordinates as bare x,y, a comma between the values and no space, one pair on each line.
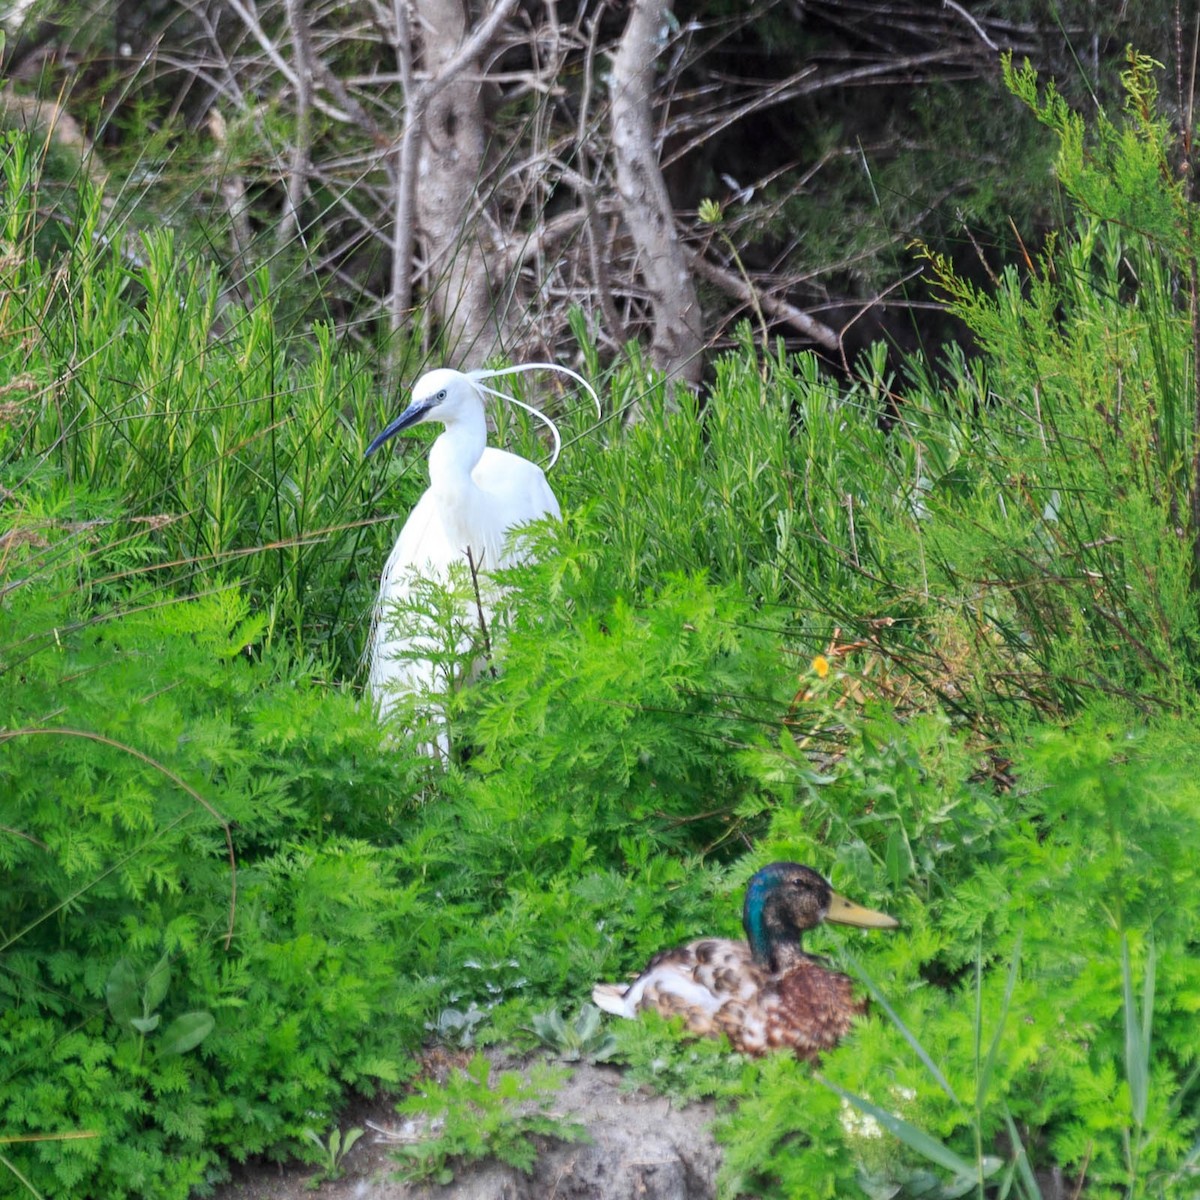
453,456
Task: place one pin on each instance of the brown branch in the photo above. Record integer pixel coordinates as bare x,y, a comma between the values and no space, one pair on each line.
250,19
483,629
418,99
802,83
781,310
297,171
970,20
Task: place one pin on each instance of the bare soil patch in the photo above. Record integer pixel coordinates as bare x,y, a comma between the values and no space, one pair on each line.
640,1147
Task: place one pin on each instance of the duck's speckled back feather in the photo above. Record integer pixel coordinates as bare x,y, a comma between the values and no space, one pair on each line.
715,985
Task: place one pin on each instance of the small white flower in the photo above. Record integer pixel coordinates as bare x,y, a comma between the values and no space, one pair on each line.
859,1124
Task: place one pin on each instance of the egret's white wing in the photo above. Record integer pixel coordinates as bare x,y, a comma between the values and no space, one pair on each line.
517,493
401,655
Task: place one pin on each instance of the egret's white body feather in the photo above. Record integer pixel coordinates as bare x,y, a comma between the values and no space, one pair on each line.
509,492
478,496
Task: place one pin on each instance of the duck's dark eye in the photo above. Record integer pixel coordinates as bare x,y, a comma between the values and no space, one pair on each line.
441,395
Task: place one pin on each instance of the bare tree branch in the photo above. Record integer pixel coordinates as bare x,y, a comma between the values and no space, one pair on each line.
781,310
404,178
289,218
250,19
970,20
470,50
467,164
450,167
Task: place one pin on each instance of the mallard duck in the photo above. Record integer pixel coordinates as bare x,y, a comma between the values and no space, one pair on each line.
765,992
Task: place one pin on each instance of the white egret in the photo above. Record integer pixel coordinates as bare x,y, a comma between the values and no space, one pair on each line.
478,496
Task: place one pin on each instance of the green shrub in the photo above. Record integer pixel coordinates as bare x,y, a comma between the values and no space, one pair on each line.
795,621
1060,519
134,387
173,1006
1040,1011
478,1115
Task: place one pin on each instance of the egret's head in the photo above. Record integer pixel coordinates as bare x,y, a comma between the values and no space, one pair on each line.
440,395
446,395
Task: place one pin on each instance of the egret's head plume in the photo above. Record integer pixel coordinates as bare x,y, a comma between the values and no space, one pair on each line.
437,393
478,376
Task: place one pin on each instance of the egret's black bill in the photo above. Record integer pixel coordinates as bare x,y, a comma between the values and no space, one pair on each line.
410,416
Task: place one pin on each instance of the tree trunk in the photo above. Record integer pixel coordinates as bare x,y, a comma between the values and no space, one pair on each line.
450,161
678,339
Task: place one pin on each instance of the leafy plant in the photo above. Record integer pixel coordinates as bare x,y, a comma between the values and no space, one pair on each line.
475,1115
456,1027
799,618
134,1000
654,1053
1056,498
1052,1038
128,1008
332,1151
581,1039
233,458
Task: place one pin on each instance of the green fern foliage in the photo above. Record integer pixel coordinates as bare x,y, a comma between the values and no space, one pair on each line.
195,926
480,1114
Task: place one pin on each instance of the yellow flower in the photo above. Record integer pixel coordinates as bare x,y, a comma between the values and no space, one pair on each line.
820,664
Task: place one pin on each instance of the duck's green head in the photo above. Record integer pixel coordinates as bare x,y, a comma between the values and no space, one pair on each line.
784,899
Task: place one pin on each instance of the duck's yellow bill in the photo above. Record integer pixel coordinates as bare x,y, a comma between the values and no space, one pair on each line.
846,912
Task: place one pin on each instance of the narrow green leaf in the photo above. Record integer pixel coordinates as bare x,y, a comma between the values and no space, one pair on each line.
1189,1163
1148,996
1006,1182
157,983
985,1075
1029,1183
21,1178
977,1024
587,1024
893,860
1184,1088
1137,1069
958,1187
918,1049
